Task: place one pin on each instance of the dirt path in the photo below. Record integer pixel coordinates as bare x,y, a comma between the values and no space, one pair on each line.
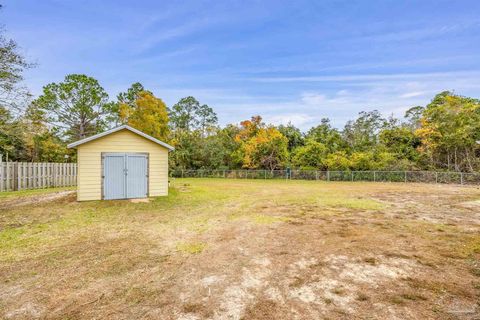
34,199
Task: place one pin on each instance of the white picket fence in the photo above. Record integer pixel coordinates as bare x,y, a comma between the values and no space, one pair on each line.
36,175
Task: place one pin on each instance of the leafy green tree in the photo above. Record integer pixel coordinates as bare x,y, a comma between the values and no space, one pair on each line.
213,153
338,160
132,94
293,134
230,146
385,160
195,135
187,114
311,155
207,119
78,105
401,141
362,133
327,135
197,152
362,161
450,127
187,149
43,141
12,65
50,148
413,117
11,136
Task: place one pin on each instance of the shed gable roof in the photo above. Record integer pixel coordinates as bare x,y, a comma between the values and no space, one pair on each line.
124,127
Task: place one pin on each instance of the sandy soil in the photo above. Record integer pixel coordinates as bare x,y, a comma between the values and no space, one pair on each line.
40,198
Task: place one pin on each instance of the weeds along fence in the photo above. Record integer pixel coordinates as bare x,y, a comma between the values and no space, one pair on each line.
374,176
36,175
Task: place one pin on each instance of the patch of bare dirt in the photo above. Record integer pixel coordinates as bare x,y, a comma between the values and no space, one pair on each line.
432,203
35,199
296,272
140,200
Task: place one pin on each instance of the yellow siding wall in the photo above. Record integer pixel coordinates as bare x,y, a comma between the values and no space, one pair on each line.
90,163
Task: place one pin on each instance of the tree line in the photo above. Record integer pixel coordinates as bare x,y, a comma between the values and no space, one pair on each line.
442,135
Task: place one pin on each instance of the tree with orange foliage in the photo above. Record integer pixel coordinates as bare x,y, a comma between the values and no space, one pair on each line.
261,146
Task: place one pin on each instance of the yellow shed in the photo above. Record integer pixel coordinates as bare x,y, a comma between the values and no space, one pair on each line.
121,163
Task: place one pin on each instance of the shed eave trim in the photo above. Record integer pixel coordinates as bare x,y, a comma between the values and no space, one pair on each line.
99,135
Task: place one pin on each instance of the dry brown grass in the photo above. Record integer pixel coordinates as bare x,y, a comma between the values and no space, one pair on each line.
236,249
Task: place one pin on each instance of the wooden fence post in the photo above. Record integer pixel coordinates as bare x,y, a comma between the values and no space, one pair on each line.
54,174
2,176
8,170
2,173
16,177
25,168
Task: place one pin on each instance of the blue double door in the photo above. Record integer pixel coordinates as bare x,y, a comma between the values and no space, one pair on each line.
125,175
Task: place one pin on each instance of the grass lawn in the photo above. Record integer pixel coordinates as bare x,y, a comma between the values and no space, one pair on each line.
244,249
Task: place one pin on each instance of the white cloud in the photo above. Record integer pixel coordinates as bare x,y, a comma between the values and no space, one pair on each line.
375,77
412,94
298,119
305,108
313,98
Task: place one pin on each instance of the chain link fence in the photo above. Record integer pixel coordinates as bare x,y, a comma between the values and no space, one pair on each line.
462,178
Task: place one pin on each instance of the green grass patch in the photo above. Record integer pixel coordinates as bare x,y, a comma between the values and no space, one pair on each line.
258,218
18,241
191,248
472,247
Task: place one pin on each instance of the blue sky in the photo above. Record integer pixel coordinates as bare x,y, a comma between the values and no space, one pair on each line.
293,61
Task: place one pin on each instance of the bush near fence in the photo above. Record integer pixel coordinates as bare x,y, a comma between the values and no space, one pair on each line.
36,175
463,178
